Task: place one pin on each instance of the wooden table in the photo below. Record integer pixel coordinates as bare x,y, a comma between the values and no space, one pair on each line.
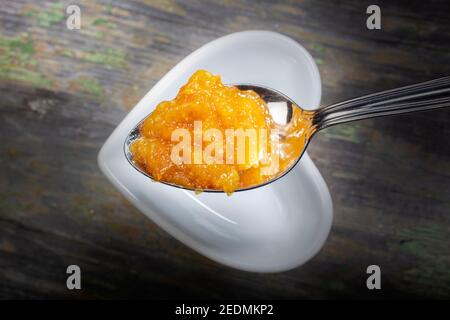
63,91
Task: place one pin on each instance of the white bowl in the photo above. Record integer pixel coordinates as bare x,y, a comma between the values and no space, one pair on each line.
269,229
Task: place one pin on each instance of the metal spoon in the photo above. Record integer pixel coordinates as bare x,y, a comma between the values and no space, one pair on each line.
423,96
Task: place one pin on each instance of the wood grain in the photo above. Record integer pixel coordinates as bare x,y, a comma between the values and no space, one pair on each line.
63,91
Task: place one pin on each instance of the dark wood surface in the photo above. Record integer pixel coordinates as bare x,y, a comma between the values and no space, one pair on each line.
63,91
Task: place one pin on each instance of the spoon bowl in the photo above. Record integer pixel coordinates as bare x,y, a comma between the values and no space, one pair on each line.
281,109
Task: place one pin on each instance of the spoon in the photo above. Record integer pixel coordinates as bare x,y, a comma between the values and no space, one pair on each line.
423,96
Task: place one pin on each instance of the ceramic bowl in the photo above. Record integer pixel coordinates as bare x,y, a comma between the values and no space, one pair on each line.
269,229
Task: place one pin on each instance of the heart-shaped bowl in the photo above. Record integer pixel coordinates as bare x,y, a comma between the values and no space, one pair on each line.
269,229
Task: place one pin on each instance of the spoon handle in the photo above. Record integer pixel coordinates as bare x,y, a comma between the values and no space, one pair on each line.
417,97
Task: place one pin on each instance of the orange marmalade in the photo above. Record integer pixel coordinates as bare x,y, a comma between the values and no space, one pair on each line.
206,102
